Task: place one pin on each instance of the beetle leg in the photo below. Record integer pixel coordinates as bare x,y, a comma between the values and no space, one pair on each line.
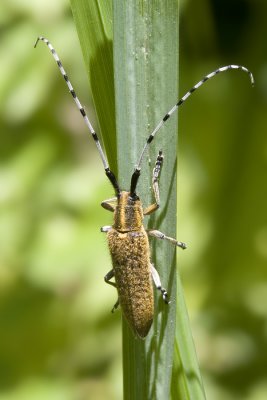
157,282
106,228
109,276
155,177
155,184
109,204
159,235
116,305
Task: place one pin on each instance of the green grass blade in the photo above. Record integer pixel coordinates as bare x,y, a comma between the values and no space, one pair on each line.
93,21
186,378
146,75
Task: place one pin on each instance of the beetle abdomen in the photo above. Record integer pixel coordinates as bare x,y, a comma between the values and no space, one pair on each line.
131,263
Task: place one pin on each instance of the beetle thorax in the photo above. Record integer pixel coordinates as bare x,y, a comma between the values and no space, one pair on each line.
128,215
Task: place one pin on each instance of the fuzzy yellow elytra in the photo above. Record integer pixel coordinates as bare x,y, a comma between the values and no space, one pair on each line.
127,238
132,273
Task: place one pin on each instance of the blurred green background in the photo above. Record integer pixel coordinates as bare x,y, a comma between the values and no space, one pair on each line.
58,339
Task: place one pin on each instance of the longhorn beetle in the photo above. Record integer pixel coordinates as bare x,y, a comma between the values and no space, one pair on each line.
127,238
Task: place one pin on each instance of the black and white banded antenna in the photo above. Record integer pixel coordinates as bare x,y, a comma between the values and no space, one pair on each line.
109,173
137,169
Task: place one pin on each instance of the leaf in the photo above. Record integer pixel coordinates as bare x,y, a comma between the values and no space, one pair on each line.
94,25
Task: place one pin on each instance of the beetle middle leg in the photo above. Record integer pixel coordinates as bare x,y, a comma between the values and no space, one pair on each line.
157,282
159,235
106,228
107,278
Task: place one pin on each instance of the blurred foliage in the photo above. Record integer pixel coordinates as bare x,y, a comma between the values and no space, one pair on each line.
222,194
58,339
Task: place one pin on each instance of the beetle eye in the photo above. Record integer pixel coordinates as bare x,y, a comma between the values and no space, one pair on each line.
134,197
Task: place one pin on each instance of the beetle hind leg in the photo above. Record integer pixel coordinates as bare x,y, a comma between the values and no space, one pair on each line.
116,305
107,278
157,282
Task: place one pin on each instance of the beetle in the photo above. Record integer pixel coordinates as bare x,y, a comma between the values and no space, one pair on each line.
127,238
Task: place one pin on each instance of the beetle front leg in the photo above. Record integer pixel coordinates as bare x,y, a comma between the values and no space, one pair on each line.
109,204
159,235
155,184
157,282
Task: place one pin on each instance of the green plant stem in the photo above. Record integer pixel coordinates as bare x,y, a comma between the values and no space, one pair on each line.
146,76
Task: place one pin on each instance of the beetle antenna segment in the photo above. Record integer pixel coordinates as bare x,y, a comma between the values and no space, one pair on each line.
108,172
134,180
136,173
